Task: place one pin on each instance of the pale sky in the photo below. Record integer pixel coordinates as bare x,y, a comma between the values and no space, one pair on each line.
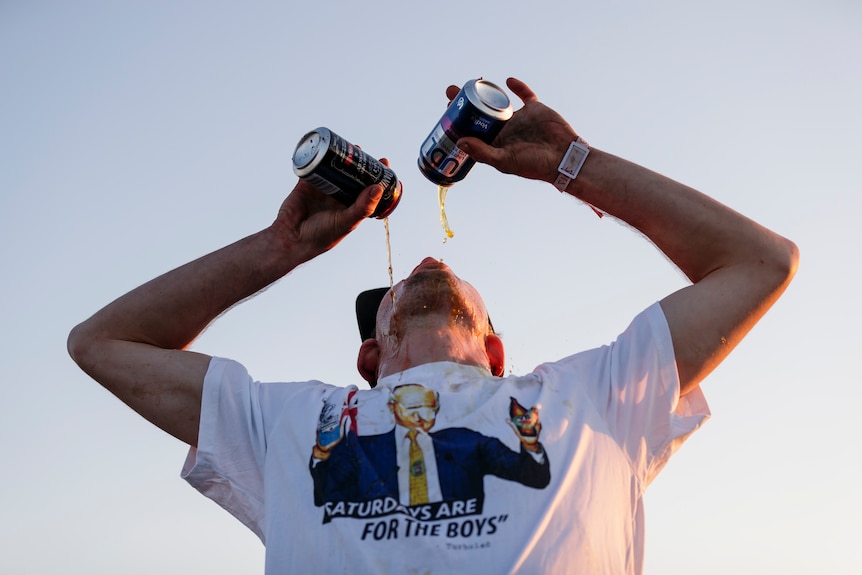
136,136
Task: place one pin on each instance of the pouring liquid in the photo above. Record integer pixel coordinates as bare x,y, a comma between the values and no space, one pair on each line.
388,250
444,221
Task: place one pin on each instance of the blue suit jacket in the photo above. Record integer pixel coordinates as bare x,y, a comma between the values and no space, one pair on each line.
361,468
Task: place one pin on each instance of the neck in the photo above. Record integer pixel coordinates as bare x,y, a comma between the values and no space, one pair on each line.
432,345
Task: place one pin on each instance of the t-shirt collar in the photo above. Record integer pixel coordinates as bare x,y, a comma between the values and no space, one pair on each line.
433,373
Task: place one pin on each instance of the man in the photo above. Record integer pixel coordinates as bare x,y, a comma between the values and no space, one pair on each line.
610,417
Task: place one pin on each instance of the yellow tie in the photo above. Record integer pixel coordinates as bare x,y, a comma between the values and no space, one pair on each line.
418,479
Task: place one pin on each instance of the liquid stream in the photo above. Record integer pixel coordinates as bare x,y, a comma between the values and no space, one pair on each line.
388,251
444,221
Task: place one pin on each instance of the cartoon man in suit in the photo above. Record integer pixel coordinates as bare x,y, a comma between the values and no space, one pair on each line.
417,466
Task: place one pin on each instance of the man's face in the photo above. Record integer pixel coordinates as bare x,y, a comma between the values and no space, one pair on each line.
431,295
414,407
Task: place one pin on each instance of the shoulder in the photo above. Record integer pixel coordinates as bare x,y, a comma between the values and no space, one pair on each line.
647,334
230,378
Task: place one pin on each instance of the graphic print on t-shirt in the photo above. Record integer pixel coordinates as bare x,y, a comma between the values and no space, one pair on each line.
413,469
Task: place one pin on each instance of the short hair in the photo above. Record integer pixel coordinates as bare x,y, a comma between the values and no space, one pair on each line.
367,304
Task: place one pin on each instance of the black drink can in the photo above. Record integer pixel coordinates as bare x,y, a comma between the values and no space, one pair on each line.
479,110
341,170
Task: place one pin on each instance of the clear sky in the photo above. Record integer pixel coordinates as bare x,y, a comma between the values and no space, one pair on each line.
136,136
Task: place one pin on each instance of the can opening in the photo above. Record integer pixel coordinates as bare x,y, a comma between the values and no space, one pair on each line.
491,95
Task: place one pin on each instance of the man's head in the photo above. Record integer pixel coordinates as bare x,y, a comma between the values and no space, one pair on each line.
432,312
432,296
414,406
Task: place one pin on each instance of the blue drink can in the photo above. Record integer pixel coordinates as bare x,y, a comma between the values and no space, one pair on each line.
479,110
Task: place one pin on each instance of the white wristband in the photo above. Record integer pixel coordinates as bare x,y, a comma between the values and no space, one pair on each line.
572,163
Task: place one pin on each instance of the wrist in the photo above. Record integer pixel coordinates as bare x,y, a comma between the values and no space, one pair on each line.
583,185
282,250
571,162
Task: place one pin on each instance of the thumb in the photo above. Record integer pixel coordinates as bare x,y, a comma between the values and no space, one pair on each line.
366,203
480,151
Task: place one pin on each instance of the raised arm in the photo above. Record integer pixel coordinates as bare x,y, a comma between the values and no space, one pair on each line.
738,268
134,346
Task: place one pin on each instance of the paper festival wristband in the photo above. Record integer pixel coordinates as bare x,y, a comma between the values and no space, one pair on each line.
571,165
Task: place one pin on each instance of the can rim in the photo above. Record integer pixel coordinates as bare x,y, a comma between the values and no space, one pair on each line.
309,152
489,98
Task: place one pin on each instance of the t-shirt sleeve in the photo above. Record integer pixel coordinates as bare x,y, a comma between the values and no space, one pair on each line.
633,383
227,464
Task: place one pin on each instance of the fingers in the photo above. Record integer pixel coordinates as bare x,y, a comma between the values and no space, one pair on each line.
451,92
481,152
364,205
374,194
522,90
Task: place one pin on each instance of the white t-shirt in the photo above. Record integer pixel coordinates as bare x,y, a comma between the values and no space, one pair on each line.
608,420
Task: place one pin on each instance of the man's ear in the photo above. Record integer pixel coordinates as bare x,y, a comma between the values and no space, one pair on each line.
368,361
496,354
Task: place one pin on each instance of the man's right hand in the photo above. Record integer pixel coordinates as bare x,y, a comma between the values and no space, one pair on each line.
135,346
310,222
